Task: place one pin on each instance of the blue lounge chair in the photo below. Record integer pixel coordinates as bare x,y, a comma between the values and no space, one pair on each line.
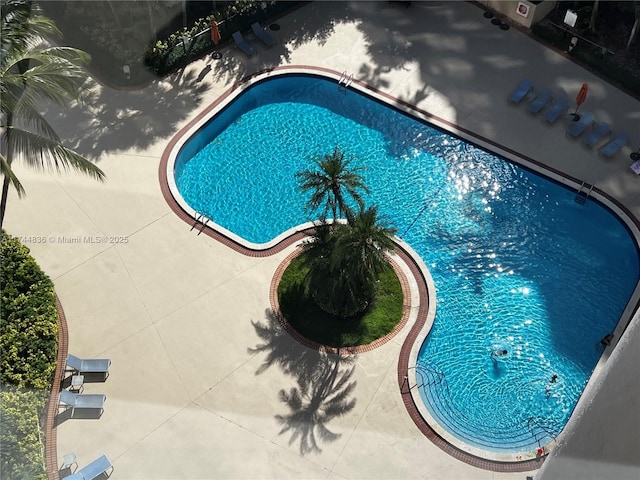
522,90
615,145
556,110
242,44
100,467
262,35
541,100
82,401
92,365
577,128
635,167
597,134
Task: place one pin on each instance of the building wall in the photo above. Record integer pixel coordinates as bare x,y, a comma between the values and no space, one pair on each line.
536,12
602,439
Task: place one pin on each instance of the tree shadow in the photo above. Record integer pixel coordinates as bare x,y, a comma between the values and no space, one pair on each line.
111,121
323,389
115,120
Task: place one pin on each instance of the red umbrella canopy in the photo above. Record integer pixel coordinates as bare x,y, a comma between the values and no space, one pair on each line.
582,94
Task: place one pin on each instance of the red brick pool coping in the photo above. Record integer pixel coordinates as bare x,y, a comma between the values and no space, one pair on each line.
423,426
50,433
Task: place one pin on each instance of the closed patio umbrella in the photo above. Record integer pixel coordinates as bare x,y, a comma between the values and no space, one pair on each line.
215,32
580,98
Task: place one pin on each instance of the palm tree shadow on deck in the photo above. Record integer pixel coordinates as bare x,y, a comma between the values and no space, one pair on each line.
116,120
323,389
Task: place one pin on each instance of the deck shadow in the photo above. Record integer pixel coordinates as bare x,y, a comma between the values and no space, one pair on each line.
83,414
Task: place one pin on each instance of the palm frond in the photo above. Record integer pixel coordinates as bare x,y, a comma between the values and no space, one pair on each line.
23,25
26,118
58,81
5,168
40,152
50,78
331,183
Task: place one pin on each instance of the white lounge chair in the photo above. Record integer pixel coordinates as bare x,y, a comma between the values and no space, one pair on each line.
242,44
262,35
82,401
100,467
91,365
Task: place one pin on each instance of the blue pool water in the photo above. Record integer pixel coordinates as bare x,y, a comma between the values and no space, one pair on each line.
518,265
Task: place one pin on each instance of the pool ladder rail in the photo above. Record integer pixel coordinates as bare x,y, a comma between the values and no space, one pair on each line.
344,81
538,430
201,219
583,193
433,377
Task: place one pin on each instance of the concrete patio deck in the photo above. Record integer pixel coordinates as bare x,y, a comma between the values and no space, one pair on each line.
198,363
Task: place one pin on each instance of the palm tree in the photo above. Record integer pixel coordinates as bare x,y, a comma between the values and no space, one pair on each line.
367,240
32,73
344,263
331,184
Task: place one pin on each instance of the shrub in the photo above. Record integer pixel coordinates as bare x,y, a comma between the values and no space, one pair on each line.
590,57
28,319
28,341
551,35
169,54
21,453
313,323
609,69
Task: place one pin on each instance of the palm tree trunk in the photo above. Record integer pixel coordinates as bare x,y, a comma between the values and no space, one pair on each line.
594,14
5,195
152,26
22,67
7,181
634,30
115,15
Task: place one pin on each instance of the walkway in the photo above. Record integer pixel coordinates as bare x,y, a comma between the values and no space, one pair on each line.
199,367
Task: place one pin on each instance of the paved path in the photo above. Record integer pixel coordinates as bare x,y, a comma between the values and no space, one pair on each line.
198,364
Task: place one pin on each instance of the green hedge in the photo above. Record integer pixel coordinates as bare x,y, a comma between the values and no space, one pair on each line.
28,342
591,57
28,319
21,450
170,54
551,35
609,70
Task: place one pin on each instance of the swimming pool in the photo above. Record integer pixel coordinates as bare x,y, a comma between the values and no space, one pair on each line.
518,265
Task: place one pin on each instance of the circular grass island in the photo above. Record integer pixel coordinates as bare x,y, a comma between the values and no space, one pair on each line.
385,315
